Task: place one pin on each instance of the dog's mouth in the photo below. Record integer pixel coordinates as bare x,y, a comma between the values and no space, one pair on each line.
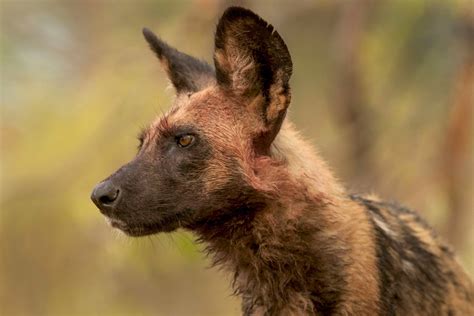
168,224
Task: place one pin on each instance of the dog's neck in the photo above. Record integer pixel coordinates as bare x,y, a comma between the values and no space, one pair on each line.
290,251
283,250
280,256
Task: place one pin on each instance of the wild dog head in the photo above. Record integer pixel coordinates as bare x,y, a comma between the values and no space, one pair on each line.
203,159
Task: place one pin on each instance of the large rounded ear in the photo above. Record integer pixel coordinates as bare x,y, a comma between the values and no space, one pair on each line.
252,61
187,74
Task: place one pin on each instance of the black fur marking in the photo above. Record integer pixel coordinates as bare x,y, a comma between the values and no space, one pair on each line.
421,282
387,281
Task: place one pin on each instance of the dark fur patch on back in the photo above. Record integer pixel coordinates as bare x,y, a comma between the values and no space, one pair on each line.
409,274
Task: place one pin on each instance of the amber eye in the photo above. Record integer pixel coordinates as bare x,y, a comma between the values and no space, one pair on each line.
185,140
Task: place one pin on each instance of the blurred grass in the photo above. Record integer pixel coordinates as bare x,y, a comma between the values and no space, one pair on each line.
78,82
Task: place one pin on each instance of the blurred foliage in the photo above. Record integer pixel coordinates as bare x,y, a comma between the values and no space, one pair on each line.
78,82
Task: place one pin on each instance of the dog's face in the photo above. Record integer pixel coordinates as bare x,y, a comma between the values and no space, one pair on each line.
200,160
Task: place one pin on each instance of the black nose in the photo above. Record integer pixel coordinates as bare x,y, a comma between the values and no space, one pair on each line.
105,195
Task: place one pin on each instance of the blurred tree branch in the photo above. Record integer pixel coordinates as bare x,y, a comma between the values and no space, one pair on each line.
455,151
350,93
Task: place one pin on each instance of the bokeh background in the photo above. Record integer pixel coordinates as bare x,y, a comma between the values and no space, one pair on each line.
384,89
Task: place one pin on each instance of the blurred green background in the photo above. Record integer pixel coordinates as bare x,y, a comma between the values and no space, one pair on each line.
383,88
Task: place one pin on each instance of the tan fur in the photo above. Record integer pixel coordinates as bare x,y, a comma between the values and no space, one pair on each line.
351,227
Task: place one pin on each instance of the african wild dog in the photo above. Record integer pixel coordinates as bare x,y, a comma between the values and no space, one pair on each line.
226,164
